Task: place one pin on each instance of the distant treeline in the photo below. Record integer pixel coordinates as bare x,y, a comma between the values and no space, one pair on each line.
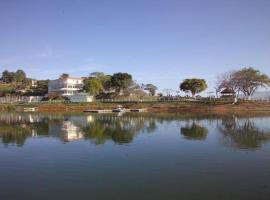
101,85
17,83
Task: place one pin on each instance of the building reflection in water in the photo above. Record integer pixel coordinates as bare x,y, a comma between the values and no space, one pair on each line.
16,128
243,133
70,131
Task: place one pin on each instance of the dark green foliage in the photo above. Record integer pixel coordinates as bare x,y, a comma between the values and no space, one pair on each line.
14,77
41,89
121,81
64,75
96,83
151,88
246,80
195,132
193,85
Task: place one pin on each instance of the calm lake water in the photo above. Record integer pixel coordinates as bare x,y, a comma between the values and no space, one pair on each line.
133,156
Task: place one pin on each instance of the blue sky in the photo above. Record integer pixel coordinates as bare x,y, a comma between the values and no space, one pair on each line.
157,41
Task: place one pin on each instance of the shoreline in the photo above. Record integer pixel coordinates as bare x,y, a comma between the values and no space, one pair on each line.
155,107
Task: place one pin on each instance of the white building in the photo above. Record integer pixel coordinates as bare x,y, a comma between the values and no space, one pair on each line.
65,86
80,97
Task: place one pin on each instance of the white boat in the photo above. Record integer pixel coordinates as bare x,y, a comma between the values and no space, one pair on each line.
119,109
29,109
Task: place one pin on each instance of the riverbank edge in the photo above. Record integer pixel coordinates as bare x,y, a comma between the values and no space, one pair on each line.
155,107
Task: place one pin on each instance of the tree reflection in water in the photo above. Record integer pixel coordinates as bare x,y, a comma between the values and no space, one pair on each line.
120,130
16,134
194,131
17,127
243,134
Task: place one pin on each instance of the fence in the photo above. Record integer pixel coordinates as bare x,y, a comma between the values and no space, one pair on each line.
21,99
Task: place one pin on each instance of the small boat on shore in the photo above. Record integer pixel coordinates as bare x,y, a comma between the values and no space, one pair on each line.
29,109
119,109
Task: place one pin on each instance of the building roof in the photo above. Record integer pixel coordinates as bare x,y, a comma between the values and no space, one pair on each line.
227,91
76,78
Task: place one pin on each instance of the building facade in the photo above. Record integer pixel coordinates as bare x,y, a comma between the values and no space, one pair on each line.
80,97
65,86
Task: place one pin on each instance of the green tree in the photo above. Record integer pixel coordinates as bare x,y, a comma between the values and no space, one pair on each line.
249,80
41,88
121,81
8,77
151,88
97,74
246,80
96,83
93,85
14,77
193,85
64,75
20,76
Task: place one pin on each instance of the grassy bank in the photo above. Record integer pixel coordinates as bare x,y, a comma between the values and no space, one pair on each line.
177,107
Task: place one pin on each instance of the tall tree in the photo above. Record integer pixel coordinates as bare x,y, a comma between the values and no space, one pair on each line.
193,85
97,74
151,88
20,76
64,75
121,81
41,88
96,83
93,86
14,77
246,80
249,80
8,77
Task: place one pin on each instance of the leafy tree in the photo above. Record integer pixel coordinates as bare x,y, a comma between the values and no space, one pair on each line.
121,81
14,77
249,80
246,80
93,86
20,76
151,88
193,85
8,77
41,88
97,74
96,83
226,81
107,84
160,94
64,75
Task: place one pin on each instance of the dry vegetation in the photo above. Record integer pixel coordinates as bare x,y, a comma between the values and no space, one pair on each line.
175,107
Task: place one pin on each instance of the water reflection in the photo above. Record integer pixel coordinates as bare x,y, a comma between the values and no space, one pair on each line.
243,133
15,134
194,131
120,129
16,128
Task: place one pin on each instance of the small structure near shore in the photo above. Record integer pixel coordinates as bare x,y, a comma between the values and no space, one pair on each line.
30,109
117,110
227,93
